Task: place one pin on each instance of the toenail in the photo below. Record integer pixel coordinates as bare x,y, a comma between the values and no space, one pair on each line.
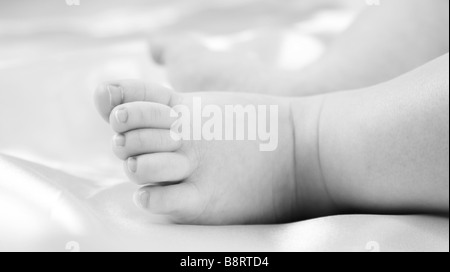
119,140
132,165
142,199
121,115
115,95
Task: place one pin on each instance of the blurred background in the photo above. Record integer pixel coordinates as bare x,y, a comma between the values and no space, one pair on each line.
53,55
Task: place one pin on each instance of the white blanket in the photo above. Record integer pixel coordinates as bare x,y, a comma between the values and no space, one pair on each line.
61,188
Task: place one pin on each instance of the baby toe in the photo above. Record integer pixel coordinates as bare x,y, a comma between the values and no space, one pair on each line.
141,115
144,141
158,168
114,93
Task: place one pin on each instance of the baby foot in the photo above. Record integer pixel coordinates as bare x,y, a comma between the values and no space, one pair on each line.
192,67
200,181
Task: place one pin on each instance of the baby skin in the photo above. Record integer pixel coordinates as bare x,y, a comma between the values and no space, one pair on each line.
192,67
342,152
203,182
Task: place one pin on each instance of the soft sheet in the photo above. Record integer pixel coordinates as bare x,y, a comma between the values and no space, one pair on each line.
45,209
61,189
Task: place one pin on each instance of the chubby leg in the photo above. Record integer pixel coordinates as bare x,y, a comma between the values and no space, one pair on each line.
376,150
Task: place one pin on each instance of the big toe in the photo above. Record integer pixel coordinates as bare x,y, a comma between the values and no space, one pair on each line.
182,202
